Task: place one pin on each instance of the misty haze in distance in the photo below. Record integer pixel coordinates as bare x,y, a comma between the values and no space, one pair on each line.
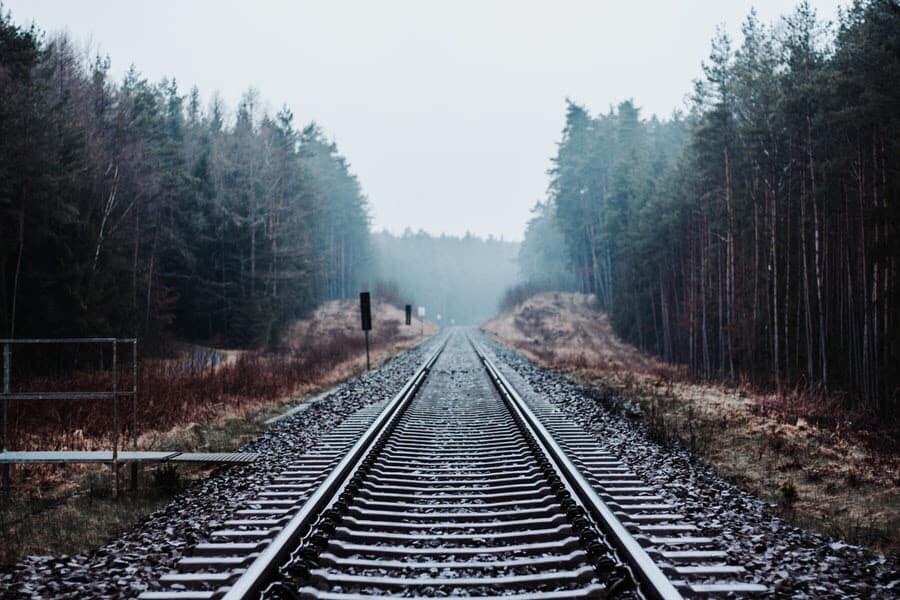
448,112
459,280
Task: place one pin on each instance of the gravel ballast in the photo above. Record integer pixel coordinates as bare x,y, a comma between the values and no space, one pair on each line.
123,567
792,562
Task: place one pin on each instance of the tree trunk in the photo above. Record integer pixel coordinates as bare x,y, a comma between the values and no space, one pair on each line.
807,312
776,362
820,305
729,268
134,259
18,272
704,254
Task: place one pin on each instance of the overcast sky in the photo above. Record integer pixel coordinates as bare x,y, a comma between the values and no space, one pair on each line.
448,111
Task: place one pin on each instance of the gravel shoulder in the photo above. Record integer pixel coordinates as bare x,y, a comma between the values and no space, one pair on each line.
824,469
122,567
793,562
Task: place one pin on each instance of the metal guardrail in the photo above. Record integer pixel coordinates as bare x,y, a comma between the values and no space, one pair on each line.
7,394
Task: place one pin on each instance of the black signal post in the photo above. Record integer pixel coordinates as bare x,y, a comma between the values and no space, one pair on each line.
365,311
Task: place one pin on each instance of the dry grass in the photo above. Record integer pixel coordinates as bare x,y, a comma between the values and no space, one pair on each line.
204,384
65,521
193,404
566,329
793,451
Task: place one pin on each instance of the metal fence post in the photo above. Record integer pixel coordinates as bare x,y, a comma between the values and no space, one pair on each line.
134,386
7,388
115,399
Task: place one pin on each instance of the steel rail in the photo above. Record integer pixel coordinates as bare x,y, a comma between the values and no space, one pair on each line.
251,583
653,582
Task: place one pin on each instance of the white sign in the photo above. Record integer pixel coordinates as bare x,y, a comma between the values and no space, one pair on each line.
421,312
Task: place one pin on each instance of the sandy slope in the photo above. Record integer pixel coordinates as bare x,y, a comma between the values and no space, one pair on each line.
567,328
341,317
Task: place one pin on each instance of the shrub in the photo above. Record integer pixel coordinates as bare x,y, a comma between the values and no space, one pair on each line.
789,494
193,388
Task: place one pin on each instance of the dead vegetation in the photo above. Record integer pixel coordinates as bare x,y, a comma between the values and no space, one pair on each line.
817,465
203,384
567,329
205,400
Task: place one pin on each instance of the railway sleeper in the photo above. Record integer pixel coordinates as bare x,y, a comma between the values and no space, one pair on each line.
333,578
427,456
400,516
585,593
534,535
721,589
471,496
385,466
574,557
564,544
511,504
406,476
388,525
437,487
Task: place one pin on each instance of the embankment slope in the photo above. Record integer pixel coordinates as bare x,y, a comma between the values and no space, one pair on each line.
827,479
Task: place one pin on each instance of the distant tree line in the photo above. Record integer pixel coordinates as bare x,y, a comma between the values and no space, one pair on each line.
543,254
132,208
756,236
459,278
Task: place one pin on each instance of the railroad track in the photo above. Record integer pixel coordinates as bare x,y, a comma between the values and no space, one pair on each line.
456,487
